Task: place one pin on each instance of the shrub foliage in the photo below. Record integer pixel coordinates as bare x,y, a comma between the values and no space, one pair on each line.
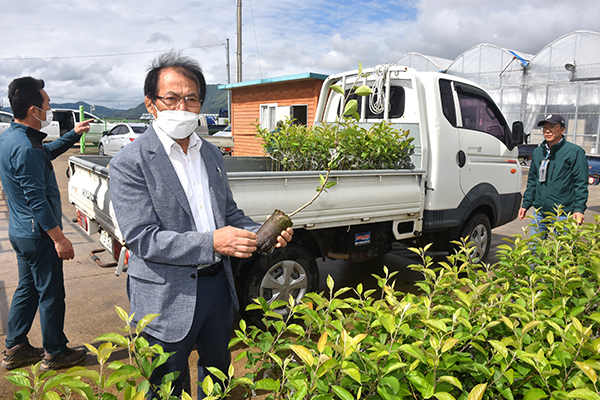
352,146
524,328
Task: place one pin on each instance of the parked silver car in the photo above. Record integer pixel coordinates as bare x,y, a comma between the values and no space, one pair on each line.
114,140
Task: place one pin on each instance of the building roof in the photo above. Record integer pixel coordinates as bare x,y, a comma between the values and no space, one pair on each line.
287,78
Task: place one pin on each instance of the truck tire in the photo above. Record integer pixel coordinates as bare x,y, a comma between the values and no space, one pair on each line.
288,271
478,231
101,149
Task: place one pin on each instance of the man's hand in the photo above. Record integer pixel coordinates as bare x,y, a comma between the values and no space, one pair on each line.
234,242
578,217
63,246
522,213
83,126
284,238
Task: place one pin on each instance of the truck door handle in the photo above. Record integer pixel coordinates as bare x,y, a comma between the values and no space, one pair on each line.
461,159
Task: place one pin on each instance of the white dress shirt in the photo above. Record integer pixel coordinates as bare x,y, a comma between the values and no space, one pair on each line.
192,174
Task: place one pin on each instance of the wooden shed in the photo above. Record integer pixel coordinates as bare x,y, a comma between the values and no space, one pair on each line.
267,101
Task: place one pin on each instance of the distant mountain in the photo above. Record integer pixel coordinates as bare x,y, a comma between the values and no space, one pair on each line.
214,101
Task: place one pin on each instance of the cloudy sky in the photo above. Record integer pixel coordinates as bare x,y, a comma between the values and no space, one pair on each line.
98,51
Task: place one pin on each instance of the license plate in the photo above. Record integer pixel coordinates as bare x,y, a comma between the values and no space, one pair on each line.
106,241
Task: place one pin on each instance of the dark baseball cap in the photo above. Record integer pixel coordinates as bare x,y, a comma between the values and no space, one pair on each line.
553,119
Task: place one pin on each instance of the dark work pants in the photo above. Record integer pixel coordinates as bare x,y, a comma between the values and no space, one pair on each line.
210,333
41,284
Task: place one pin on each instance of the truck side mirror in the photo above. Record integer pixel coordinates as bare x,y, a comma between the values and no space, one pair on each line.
517,134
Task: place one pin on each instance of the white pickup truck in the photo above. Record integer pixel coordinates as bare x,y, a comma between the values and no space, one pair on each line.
466,180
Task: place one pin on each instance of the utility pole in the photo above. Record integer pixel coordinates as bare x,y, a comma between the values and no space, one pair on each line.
228,82
239,41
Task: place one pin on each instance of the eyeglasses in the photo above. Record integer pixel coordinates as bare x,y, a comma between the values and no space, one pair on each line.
172,101
550,127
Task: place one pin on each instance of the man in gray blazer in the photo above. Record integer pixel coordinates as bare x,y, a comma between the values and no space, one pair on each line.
177,215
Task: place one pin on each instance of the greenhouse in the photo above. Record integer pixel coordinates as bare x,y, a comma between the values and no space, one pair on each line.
425,63
563,78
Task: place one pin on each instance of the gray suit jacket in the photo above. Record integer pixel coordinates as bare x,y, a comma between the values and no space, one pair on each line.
156,221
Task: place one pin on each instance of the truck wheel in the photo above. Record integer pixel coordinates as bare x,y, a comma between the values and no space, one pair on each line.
291,271
478,231
101,149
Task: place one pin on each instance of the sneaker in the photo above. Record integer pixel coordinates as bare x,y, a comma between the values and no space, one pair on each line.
21,354
66,359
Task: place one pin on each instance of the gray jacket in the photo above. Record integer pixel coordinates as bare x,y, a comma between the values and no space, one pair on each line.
156,221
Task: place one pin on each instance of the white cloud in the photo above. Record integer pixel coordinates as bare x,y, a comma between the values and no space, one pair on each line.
56,40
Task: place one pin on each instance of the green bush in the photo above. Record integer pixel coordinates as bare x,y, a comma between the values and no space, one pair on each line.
294,147
524,328
129,380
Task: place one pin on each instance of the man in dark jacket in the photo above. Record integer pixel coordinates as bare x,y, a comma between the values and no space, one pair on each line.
558,176
35,229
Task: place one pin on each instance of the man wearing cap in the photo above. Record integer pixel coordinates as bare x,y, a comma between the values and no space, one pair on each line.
558,176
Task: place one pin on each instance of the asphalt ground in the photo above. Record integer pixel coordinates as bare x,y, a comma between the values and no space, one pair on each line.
93,292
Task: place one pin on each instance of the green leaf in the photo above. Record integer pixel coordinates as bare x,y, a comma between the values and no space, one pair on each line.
499,347
530,326
585,394
342,393
123,314
588,371
337,88
113,338
444,396
303,353
353,373
326,366
535,394
507,322
435,325
351,107
208,385
451,380
267,384
218,373
422,383
18,380
449,344
363,90
477,392
391,382
144,322
330,282
414,351
51,396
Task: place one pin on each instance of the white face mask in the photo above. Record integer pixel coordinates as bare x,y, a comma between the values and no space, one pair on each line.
48,120
177,124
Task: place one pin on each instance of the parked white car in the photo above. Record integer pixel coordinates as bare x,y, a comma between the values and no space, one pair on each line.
223,140
5,120
67,119
52,130
114,140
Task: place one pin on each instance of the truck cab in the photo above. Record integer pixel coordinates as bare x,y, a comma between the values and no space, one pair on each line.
461,139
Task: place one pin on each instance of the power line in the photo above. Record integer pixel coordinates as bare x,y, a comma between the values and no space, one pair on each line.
255,40
106,55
